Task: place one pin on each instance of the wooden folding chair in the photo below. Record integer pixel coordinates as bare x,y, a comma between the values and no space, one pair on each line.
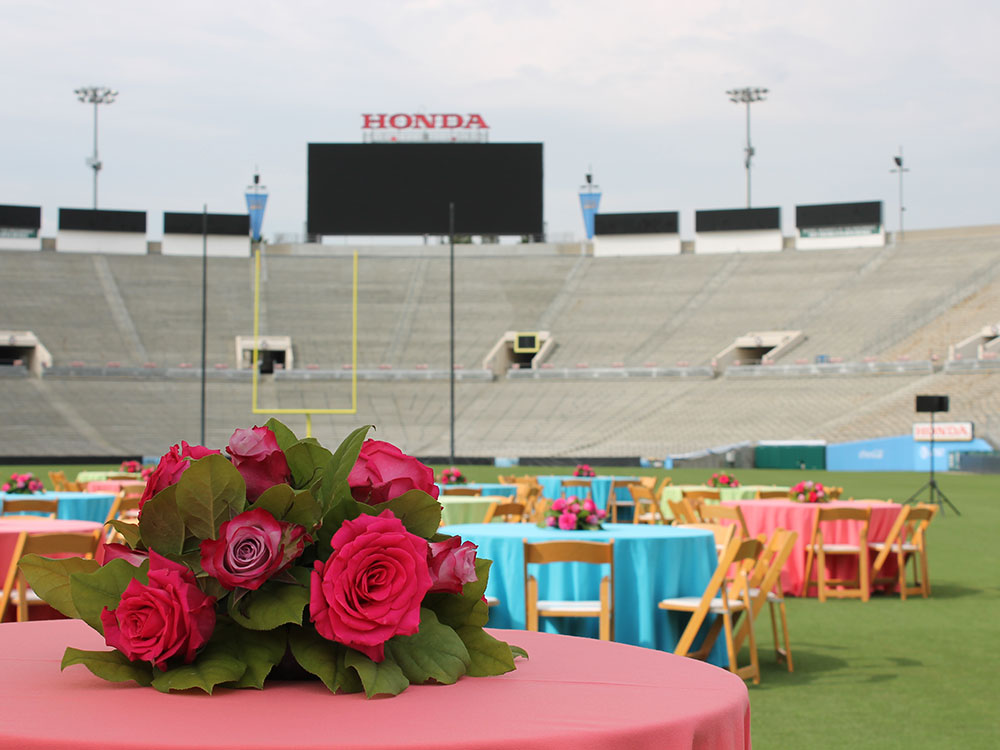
771,495
906,541
59,481
507,479
647,508
834,493
570,486
509,512
462,491
44,508
819,548
683,512
722,600
696,497
716,513
613,502
124,508
723,532
596,553
765,586
15,588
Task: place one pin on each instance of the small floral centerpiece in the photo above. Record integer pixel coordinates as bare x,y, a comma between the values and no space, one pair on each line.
573,514
808,492
720,479
282,555
22,484
583,470
147,472
130,467
452,476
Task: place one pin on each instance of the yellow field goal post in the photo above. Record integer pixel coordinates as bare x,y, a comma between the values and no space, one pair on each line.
256,343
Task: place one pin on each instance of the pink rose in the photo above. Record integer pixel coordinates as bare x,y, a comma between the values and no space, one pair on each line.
452,564
114,551
601,513
252,548
589,505
5,487
574,508
168,617
172,464
724,479
592,519
550,520
559,504
258,459
383,473
567,521
371,587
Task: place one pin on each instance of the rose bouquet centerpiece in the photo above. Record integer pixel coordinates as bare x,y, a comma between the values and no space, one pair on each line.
573,514
808,492
281,554
721,479
452,476
131,466
22,484
583,470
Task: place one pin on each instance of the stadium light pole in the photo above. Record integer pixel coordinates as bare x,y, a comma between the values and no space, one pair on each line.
901,169
95,95
747,95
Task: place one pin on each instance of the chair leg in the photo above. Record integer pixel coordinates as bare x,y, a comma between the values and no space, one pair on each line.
925,579
901,574
808,572
864,565
531,605
821,574
784,631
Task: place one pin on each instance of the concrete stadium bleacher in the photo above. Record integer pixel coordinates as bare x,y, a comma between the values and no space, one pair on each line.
907,300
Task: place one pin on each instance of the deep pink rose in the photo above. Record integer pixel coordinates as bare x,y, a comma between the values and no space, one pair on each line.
168,617
589,505
574,508
567,521
452,564
114,551
383,472
252,548
592,519
258,459
371,587
172,464
601,513
559,504
550,520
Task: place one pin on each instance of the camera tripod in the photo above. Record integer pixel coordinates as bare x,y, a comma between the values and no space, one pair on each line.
936,495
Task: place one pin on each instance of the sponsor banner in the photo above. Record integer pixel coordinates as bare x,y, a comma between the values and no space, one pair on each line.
19,233
951,431
589,203
255,207
841,231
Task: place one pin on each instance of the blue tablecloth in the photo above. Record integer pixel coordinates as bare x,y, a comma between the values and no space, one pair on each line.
488,488
600,487
81,506
651,563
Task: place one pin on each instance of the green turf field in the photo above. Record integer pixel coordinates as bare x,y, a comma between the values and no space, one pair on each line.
883,674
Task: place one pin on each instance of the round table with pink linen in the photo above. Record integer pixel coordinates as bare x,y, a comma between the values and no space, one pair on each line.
12,526
764,516
574,693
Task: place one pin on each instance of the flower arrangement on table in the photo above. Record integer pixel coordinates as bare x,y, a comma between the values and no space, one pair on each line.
131,467
282,553
583,470
22,484
808,492
452,476
573,514
721,479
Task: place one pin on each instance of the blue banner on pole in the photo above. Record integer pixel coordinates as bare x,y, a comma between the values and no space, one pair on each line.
255,207
589,203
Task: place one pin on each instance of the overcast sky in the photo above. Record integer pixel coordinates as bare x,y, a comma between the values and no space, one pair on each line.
634,89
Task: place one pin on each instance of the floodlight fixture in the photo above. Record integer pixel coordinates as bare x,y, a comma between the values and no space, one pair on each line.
898,160
747,95
95,95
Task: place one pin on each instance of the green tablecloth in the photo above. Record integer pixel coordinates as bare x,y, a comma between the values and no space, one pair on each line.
744,492
100,476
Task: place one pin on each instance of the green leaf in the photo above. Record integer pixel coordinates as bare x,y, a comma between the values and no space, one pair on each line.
419,512
518,651
323,658
285,437
49,579
489,656
215,665
92,592
467,608
160,523
210,492
273,604
305,511
434,653
306,459
334,484
384,678
113,666
259,650
129,530
342,509
276,500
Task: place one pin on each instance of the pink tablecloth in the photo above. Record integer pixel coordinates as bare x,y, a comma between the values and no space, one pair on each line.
113,485
12,526
573,692
764,516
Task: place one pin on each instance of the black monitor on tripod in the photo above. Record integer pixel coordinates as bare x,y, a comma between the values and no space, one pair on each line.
932,405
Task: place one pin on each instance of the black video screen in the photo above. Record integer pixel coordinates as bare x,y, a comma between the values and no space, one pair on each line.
405,188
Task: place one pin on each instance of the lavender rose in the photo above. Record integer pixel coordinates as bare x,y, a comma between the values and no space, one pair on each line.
252,548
